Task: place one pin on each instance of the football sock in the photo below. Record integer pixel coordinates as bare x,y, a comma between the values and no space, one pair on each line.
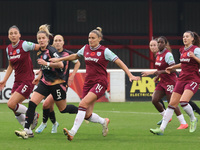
20,109
52,117
188,109
79,119
181,119
46,113
162,113
30,114
70,109
20,118
167,116
96,118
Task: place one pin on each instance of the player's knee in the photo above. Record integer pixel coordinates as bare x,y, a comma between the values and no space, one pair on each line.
45,106
83,104
11,105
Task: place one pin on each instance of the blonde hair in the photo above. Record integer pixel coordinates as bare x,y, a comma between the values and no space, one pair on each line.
98,32
45,29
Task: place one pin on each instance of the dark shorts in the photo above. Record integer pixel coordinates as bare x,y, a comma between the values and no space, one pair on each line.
180,86
25,88
98,89
58,91
167,88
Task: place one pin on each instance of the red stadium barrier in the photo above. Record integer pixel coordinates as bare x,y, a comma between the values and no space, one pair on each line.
111,39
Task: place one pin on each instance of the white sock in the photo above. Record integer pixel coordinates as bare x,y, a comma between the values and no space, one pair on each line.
21,119
167,116
28,131
162,113
188,109
21,108
181,119
96,118
78,120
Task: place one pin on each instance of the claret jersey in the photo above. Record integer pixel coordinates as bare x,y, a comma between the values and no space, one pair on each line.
19,57
96,61
165,59
189,66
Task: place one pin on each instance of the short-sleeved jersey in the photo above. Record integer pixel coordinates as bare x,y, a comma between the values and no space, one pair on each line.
19,57
49,74
189,66
66,63
96,61
163,60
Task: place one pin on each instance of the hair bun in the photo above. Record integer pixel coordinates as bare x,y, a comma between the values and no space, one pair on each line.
99,29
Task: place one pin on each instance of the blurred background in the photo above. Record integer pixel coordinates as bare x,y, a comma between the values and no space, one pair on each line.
127,25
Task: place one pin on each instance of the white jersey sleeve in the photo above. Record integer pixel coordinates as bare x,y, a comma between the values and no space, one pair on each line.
197,52
169,58
7,54
28,46
109,55
80,53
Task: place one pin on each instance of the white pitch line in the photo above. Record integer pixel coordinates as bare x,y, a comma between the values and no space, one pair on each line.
129,112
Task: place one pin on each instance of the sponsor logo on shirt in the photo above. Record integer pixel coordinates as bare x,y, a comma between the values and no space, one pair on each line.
29,43
56,55
157,63
14,57
185,59
171,58
91,59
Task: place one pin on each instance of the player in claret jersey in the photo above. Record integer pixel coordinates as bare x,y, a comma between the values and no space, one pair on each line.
187,83
164,59
18,53
96,59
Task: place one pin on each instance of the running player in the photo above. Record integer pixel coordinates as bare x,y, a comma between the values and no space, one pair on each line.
153,46
96,58
188,81
164,59
48,105
52,82
18,53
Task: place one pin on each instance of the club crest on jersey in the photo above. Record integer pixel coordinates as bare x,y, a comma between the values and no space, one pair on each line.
98,53
161,58
188,54
18,51
44,56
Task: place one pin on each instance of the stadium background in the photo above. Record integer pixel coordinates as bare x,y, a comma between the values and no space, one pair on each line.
126,24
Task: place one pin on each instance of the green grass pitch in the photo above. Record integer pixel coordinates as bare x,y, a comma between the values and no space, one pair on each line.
128,130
